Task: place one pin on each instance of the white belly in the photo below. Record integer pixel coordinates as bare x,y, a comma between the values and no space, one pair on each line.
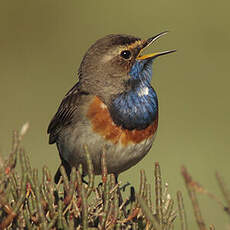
119,157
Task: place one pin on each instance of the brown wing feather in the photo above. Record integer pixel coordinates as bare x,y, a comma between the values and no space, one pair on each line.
64,114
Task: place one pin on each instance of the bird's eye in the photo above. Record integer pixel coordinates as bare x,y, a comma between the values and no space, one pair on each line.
126,54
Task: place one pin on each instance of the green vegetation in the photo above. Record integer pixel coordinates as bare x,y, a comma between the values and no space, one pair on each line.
27,203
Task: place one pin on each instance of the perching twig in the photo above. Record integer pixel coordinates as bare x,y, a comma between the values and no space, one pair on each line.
183,220
193,198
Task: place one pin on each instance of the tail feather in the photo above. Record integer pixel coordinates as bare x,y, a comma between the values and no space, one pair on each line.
58,173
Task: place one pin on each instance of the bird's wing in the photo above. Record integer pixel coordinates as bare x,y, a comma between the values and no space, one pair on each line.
65,112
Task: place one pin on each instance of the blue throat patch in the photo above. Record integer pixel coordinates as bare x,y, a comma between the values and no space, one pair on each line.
137,108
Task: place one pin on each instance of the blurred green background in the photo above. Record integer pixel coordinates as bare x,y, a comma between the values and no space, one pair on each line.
41,46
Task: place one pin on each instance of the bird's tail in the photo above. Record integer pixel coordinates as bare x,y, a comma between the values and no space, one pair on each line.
58,173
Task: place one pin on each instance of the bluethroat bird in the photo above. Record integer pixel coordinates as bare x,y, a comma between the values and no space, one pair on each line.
113,106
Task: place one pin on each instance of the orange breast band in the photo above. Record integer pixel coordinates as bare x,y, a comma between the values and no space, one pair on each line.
103,124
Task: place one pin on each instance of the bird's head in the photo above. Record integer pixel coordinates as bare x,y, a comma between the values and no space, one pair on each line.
114,60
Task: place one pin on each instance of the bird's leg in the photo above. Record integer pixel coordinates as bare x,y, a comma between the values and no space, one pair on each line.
83,180
120,199
123,187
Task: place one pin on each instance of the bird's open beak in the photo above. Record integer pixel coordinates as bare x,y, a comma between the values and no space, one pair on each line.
148,42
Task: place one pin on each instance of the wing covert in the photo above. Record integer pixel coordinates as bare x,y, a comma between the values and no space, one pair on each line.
64,115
